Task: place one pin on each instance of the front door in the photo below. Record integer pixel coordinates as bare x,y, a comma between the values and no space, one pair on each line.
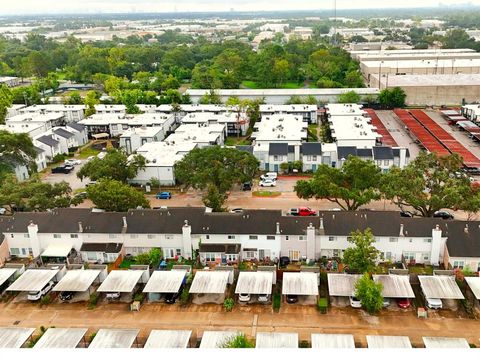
275,168
314,167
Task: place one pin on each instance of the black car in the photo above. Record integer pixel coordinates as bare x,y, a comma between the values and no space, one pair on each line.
406,214
445,215
284,261
66,169
170,298
247,186
292,299
66,295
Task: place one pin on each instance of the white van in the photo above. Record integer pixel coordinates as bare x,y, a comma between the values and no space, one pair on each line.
269,176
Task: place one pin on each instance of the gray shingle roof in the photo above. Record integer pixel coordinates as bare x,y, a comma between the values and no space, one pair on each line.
48,140
63,133
278,149
382,153
247,148
365,153
38,150
76,126
344,151
311,148
108,248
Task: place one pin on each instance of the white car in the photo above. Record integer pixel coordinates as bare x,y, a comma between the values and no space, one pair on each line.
36,295
355,302
268,183
244,297
3,211
434,303
264,298
269,175
113,296
73,162
91,158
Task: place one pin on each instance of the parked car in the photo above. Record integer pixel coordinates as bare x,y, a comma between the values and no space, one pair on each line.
170,298
292,299
386,302
91,183
65,169
66,295
403,303
407,214
36,295
73,162
303,211
81,195
244,297
284,261
263,298
268,183
163,195
236,210
355,302
91,158
247,186
269,175
445,215
113,296
3,211
433,303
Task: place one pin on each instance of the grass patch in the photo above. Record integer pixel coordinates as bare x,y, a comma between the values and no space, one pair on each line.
421,270
264,193
277,301
126,263
88,151
232,141
170,264
286,85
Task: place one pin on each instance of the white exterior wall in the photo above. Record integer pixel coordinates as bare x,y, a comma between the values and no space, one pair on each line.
472,263
309,161
165,174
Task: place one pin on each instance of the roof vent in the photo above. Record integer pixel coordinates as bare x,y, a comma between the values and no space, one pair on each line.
466,228
401,230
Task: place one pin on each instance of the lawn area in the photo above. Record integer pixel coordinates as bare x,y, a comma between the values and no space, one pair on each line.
88,151
287,85
421,270
126,263
232,141
265,193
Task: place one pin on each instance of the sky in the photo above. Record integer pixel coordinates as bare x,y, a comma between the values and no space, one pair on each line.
10,7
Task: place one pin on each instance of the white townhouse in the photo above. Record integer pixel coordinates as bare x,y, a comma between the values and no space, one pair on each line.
133,138
110,109
237,124
307,112
71,113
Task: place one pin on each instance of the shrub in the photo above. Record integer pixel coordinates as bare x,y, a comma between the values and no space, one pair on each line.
139,297
304,344
47,299
277,300
322,305
228,304
184,297
59,158
92,336
239,341
155,183
93,300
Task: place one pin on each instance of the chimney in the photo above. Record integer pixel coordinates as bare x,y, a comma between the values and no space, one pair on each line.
321,224
124,221
466,229
278,228
401,230
185,223
80,227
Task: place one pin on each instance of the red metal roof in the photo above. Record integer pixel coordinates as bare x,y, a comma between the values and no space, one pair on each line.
387,138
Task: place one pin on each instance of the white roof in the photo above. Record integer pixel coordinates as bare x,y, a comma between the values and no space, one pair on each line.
445,342
58,338
474,283
209,282
33,280
254,282
388,342
430,80
168,339
333,341
345,109
276,340
165,281
196,108
209,117
395,286
34,118
145,131
297,108
197,133
14,338
103,107
282,92
77,280
6,273
280,128
164,153
215,339
121,281
355,127
300,283
114,338
342,284
54,107
440,287
57,250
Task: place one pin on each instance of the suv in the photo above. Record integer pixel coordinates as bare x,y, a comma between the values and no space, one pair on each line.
269,175
303,211
264,298
36,295
355,302
445,215
170,298
66,169
247,186
113,296
433,303
284,261
66,295
268,183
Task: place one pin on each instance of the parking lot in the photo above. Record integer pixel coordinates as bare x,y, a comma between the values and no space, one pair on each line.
72,179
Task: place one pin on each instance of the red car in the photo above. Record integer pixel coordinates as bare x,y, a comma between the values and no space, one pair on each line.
303,211
403,303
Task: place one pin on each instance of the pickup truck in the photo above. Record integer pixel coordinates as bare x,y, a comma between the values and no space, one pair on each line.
302,211
66,169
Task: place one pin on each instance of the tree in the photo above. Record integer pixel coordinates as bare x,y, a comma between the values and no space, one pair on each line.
392,98
211,97
214,199
91,99
16,149
369,293
151,258
350,97
113,195
363,256
353,185
74,99
6,99
429,183
115,165
238,341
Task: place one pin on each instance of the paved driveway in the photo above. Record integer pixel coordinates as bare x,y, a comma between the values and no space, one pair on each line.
72,179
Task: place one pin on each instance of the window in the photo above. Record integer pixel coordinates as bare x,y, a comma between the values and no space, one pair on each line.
209,257
386,162
379,162
169,253
231,257
133,236
393,240
331,238
73,236
277,157
314,157
15,251
24,251
178,252
207,237
458,264
92,256
294,255
249,254
150,236
231,237
168,237
429,240
112,236
253,237
425,256
309,158
388,255
302,238
270,237
26,236
409,256
287,238
57,236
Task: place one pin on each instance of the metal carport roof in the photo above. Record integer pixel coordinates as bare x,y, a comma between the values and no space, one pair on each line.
445,342
121,281
14,338
77,280
165,281
6,273
440,287
58,338
114,338
209,282
253,282
333,341
33,280
342,284
168,339
57,250
388,342
300,283
395,286
276,340
216,339
474,283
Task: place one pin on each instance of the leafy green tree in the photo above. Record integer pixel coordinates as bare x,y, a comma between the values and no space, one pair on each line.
151,258
353,185
429,183
363,255
211,97
113,195
115,165
74,99
369,293
6,99
214,199
28,95
239,341
392,98
350,97
91,99
16,149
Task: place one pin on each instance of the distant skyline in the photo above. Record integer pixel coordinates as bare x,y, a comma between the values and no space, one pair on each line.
22,7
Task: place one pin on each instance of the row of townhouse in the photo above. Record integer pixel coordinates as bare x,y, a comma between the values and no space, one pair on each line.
251,234
70,113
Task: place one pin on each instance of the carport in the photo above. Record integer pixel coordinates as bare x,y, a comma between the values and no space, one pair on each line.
443,287
78,281
216,339
333,341
33,280
474,284
164,282
388,342
121,281
445,343
341,287
56,253
395,286
61,338
168,339
276,340
209,287
114,339
254,283
302,284
14,338
5,275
